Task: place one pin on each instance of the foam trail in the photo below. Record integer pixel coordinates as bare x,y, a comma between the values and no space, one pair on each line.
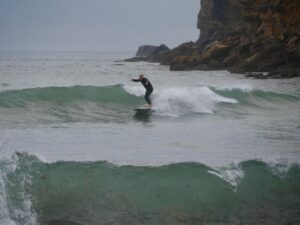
181,100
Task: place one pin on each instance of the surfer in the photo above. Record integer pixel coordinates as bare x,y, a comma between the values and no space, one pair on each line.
147,85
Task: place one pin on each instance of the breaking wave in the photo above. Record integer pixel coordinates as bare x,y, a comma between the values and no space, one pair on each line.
116,103
253,192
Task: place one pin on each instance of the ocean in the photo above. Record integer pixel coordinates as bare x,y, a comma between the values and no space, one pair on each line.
217,148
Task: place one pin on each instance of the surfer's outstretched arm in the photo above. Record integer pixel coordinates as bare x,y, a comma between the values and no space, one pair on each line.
136,80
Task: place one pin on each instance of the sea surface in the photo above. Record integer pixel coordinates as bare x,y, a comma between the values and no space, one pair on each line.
216,149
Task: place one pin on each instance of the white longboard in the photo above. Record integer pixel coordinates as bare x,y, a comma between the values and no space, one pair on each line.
143,109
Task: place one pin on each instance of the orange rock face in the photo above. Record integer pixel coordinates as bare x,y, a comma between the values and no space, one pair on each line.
273,18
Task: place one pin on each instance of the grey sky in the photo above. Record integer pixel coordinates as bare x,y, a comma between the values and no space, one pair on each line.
97,25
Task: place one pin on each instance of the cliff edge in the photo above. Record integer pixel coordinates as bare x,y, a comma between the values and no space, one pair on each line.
243,36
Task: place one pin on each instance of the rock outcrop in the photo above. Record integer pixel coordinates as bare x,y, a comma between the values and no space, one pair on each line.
149,53
243,36
145,50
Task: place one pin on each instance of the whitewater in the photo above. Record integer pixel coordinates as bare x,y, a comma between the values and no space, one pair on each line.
218,148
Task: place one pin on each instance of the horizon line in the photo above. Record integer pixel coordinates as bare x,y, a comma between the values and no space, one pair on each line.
95,51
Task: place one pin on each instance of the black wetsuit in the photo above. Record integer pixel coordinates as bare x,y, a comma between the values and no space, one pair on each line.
148,86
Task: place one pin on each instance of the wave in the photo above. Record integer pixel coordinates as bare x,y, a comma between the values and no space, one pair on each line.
248,96
186,193
92,103
66,95
67,104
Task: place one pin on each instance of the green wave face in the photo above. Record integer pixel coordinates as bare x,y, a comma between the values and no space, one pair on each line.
67,95
68,104
187,193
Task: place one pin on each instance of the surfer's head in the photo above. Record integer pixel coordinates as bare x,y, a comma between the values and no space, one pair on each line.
141,76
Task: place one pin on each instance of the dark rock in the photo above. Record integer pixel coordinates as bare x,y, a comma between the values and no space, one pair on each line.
160,50
118,64
145,50
148,50
216,18
136,59
149,53
284,73
257,75
230,60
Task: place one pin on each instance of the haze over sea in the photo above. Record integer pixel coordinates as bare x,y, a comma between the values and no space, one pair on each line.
218,148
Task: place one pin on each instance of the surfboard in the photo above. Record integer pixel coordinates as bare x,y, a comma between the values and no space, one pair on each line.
143,107
143,110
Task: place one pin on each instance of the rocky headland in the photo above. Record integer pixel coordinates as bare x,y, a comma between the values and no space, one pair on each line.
260,38
149,53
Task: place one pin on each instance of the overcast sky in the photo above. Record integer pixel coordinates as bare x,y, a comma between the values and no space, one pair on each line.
96,25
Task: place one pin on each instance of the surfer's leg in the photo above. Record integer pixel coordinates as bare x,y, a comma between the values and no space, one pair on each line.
147,97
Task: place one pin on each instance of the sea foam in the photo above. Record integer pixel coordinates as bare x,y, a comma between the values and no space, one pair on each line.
182,100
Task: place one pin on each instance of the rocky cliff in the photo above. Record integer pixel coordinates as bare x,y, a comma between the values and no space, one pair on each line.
250,36
243,36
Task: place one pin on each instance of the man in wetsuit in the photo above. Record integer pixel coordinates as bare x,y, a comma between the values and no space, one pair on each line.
147,85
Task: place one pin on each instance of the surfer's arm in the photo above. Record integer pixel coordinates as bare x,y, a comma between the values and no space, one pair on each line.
136,80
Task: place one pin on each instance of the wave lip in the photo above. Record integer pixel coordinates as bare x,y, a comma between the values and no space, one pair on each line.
189,100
